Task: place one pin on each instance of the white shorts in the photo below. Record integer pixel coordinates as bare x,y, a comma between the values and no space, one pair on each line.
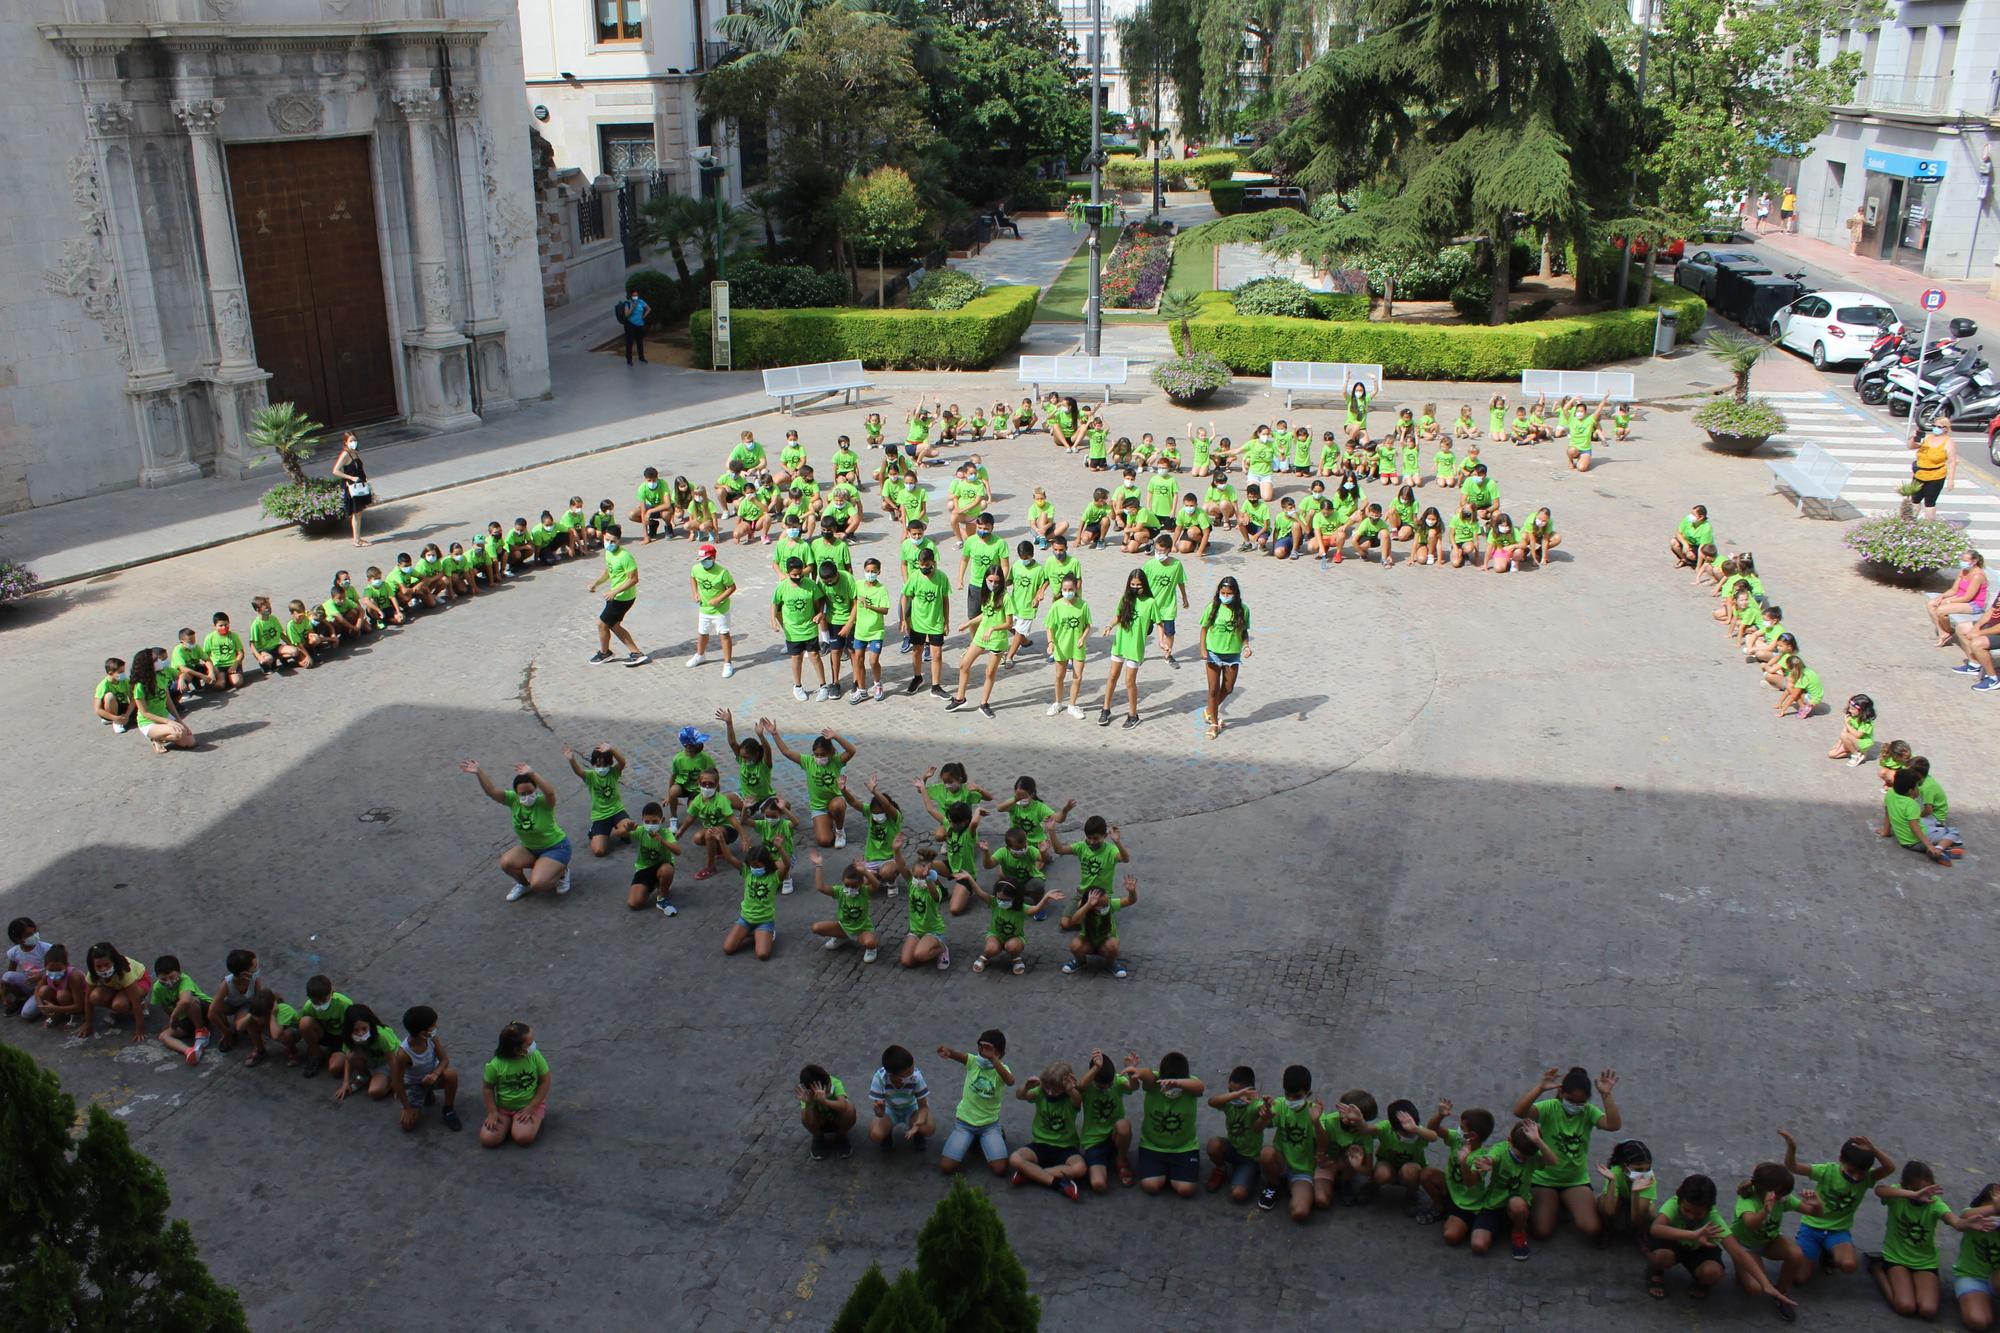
1023,625
705,623
1262,481
876,867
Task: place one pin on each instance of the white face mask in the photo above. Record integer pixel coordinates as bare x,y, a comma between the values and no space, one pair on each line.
1225,597
879,818
32,942
534,1046
869,576
529,799
612,547
1069,594
650,826
1295,1103
600,769
360,1034
793,533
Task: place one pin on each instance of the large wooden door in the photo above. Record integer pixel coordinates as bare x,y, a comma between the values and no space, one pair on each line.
305,223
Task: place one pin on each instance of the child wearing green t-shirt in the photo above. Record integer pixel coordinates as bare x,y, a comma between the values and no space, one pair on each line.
515,1084
825,1110
113,701
1007,929
1054,1156
1293,1154
603,779
1828,1236
1631,1188
1761,1204
1690,1231
1857,731
978,1117
1238,1151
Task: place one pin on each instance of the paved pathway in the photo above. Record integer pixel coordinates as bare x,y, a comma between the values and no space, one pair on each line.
1045,245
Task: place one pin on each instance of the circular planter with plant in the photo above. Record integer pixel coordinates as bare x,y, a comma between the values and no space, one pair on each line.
1193,379
16,581
1905,550
1738,423
315,504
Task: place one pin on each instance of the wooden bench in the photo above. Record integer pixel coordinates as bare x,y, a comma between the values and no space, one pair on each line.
1811,473
1325,379
789,383
1105,372
1589,385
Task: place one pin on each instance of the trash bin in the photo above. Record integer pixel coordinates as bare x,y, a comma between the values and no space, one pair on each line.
1667,331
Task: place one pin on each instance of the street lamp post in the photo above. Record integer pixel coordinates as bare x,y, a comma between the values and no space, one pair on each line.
1159,200
1093,320
713,170
1632,192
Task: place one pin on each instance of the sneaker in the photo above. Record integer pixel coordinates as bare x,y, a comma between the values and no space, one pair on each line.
595,658
787,886
840,837
193,1055
564,886
916,683
944,960
1968,669
875,693
1070,966
728,670
937,692
1074,711
451,1120
905,648
1521,1245
636,659
1173,662
1118,970
1427,1213
1336,557
799,693
1042,915
666,908
1055,709
1017,1179
697,660
868,955
986,710
119,728
858,697
953,705
518,892
1267,1198
1983,684
1131,721
1070,1191
816,1149
1104,717
673,826
833,942
835,690
1856,761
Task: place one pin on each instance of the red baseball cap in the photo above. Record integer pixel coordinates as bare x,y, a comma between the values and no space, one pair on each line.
707,550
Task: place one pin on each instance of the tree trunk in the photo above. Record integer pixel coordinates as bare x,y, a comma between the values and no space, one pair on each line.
1496,310
1646,276
1389,295
880,300
681,263
1548,252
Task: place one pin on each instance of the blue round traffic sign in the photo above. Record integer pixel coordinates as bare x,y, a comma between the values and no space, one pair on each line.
1933,298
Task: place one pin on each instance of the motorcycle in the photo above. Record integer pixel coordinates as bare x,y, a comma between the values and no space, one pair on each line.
1899,384
1896,348
1939,378
1970,399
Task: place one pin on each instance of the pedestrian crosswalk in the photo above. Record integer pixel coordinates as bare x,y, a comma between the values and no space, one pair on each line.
1881,463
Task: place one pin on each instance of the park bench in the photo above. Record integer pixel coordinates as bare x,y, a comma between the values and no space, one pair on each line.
1589,385
789,383
1325,379
1105,372
1811,473
1256,198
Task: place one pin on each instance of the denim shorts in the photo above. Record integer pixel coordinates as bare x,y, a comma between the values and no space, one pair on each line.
1225,659
871,646
1166,627
1816,1242
559,852
768,927
992,1143
1961,1287
1243,1171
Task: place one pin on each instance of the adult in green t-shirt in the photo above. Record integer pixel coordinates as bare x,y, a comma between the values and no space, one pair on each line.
620,581
711,587
539,860
1566,1121
1225,642
978,1117
1054,1155
977,554
798,614
1694,532
1068,622
1168,1138
926,603
1127,630
516,1085
603,777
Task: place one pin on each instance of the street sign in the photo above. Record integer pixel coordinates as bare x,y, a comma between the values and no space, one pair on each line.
718,305
1933,298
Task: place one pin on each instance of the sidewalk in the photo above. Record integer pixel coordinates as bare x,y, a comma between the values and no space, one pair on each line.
1901,286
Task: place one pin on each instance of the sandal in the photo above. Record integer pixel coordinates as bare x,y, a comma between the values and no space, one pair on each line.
1124,1171
252,1060
1656,1286
979,965
1020,967
704,872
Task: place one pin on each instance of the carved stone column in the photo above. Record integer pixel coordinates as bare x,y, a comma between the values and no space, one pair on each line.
237,386
438,354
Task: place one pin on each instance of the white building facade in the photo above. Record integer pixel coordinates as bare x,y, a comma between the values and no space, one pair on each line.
1913,150
1079,22
219,204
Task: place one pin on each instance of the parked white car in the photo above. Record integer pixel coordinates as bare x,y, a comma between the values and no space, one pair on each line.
1833,328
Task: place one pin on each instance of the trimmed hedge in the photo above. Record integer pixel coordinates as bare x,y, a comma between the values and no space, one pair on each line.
1349,306
1227,196
1176,173
1418,351
968,338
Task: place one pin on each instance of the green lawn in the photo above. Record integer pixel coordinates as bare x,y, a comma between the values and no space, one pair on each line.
1194,267
1063,302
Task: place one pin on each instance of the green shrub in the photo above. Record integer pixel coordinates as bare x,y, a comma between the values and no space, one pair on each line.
1039,196
756,285
943,289
1276,296
1423,280
1472,297
1249,344
1343,305
964,339
1227,196
1189,173
1535,309
668,302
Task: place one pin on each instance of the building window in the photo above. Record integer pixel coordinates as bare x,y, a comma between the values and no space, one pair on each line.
623,148
621,20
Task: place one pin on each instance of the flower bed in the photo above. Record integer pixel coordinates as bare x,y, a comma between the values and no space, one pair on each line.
1907,545
1136,272
16,581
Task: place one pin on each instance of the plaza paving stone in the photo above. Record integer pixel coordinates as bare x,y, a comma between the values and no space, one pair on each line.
1463,826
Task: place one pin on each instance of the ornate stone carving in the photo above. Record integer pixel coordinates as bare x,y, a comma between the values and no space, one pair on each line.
338,7
506,225
84,270
222,9
232,326
414,104
465,99
297,113
198,115
108,119
437,296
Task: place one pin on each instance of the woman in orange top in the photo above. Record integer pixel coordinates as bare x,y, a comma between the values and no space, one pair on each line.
1936,465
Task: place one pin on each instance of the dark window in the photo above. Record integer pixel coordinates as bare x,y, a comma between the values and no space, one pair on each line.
620,20
1878,316
623,148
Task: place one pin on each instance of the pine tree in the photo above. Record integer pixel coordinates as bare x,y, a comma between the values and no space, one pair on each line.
862,1302
87,1243
904,1308
968,1270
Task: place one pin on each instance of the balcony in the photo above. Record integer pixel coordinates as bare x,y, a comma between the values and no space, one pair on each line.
714,55
1921,94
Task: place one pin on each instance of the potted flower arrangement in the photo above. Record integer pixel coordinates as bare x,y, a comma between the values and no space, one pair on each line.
1192,377
16,581
315,504
1738,423
1906,550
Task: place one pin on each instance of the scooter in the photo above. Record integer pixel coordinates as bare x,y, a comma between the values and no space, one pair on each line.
1938,378
1969,400
1896,348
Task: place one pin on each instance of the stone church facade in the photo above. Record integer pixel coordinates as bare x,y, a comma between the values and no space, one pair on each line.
222,203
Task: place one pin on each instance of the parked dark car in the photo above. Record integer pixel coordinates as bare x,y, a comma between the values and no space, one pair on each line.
1700,271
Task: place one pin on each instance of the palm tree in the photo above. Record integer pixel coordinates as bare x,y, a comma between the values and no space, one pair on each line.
1177,308
674,221
289,433
760,29
1739,354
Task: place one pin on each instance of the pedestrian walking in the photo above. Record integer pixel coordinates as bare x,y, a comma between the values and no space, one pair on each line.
354,487
620,581
632,314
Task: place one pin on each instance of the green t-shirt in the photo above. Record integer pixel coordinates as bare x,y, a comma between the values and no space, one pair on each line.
710,586
265,633
651,850
607,801
1129,640
1293,1134
120,690
1567,1133
786,549
1169,1123
1069,624
330,1016
798,604
872,619
1901,810
1095,866
1055,1121
979,1103
651,492
883,826
1978,1254
961,850
929,597
1027,816
685,768
225,650
620,565
1166,578
1225,629
1393,1148
822,779
839,599
1756,1238
753,780
165,997
185,657
1930,792
971,496
535,825
1697,534
850,909
514,1081
1024,580
1161,492
1620,1184
1103,1108
1466,1186
1909,1238
1240,1127
760,895
1509,1176
1839,1197
1008,923
711,811
1671,1214
981,554
924,916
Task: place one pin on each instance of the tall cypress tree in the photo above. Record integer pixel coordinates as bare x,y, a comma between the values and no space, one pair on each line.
968,1270
904,1308
87,1243
861,1302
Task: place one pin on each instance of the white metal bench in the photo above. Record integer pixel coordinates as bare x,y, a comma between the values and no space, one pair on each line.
1811,473
1106,372
1589,385
1326,379
789,383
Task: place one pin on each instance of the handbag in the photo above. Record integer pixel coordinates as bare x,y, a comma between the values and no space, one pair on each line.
360,490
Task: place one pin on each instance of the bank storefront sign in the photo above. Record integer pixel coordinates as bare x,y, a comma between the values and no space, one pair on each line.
1923,170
